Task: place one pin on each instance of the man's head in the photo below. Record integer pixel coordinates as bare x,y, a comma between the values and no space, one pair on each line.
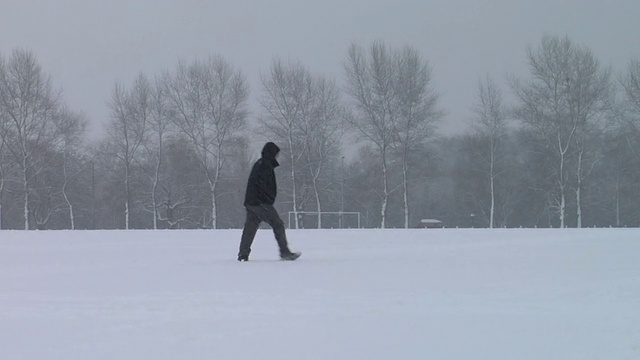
270,151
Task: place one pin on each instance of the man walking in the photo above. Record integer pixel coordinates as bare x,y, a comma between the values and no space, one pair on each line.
259,198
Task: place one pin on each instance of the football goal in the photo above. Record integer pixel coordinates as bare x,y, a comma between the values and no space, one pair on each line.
329,219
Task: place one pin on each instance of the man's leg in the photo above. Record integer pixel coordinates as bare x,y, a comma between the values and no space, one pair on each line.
251,225
272,218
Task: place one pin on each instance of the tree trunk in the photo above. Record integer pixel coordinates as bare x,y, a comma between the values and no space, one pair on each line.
214,204
561,183
318,206
618,200
154,190
126,200
293,179
213,184
25,188
578,192
492,180
314,179
385,191
562,207
405,184
66,199
214,209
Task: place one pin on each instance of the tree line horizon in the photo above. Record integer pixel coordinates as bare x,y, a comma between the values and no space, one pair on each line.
175,152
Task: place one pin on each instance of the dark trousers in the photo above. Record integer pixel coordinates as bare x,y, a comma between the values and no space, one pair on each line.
255,215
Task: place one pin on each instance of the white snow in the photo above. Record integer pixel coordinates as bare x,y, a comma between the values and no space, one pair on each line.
354,294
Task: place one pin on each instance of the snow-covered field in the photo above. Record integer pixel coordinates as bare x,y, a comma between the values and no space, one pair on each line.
354,294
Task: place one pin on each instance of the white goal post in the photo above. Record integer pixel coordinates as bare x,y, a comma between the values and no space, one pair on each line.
337,216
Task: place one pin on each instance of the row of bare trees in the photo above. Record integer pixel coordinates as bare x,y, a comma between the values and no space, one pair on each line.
41,138
394,110
204,104
568,110
303,112
175,153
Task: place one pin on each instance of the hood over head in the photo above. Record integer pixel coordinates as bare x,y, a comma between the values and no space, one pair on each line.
270,150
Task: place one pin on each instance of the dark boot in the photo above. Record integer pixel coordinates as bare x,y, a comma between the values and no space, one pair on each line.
289,256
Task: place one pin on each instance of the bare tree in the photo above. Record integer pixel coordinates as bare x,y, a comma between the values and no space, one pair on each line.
73,128
29,105
394,109
126,131
209,99
563,100
416,113
491,121
159,128
287,103
590,103
370,84
303,112
323,133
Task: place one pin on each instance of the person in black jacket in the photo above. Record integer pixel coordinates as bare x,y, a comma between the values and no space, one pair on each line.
259,198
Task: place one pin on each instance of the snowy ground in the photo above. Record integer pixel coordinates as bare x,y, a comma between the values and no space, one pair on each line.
359,294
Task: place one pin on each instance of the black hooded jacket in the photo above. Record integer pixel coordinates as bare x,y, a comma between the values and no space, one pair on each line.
261,187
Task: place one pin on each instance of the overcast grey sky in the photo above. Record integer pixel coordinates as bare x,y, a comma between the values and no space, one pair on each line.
88,45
